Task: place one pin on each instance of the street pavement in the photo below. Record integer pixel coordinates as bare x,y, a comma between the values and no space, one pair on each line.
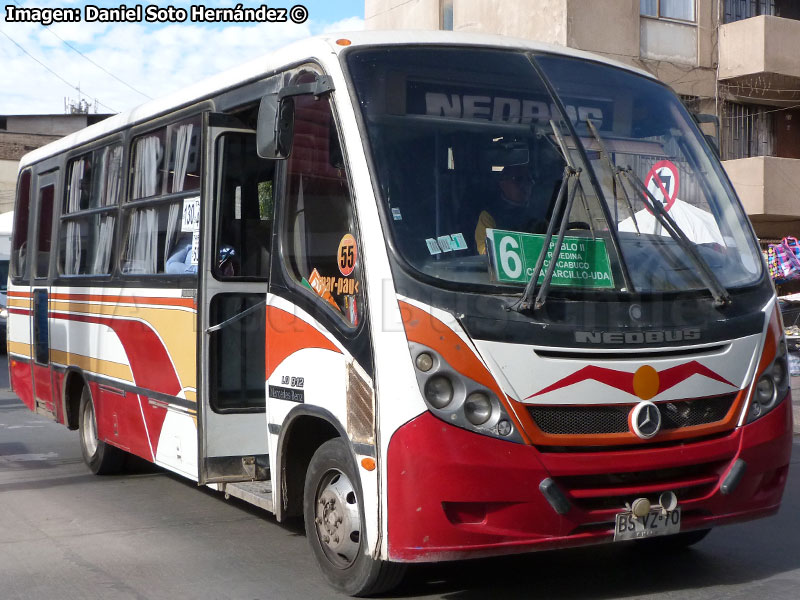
150,535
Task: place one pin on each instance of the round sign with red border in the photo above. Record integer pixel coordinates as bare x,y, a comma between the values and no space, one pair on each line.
347,255
663,182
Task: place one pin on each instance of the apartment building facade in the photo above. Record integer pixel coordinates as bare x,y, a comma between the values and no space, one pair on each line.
733,58
20,134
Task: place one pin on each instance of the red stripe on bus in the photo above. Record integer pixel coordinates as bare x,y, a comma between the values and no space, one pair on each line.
149,360
623,380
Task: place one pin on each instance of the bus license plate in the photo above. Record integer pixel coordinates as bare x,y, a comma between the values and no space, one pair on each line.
656,522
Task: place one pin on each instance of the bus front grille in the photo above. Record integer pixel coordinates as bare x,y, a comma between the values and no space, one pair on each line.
613,418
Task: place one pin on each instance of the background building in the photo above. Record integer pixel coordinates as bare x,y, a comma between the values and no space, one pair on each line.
737,59
19,134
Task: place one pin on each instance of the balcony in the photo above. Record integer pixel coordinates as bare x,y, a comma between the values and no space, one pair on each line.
769,188
757,60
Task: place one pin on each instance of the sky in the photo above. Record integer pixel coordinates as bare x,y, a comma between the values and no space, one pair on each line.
137,60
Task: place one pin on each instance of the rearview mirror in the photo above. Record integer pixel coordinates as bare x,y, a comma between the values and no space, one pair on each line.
275,128
506,154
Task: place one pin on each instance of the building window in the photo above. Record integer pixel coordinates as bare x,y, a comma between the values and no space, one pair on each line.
747,131
737,10
692,103
87,229
447,15
681,10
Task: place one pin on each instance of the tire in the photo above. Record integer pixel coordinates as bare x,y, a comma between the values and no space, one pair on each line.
100,457
334,516
673,543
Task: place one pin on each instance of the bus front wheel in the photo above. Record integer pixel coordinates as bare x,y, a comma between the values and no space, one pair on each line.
101,458
334,522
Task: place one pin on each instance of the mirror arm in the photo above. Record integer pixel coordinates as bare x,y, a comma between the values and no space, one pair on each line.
323,85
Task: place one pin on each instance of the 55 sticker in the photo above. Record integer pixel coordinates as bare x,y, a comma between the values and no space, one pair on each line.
347,255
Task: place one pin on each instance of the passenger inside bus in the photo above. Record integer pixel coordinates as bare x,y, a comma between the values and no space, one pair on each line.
180,261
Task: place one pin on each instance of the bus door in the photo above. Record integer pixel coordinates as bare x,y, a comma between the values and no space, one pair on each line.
40,246
237,234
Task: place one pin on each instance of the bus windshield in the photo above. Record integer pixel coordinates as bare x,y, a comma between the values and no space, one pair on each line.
475,154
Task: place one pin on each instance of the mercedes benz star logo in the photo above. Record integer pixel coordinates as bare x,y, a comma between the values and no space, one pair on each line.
645,420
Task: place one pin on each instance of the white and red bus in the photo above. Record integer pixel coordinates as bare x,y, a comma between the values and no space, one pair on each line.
445,296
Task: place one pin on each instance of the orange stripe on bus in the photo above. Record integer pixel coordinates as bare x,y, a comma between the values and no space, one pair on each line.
287,334
166,301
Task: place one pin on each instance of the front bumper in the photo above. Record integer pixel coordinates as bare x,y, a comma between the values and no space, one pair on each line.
455,494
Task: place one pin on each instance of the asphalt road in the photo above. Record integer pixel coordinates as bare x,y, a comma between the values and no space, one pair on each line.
65,533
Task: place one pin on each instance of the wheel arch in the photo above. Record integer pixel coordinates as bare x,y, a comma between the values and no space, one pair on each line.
74,382
304,430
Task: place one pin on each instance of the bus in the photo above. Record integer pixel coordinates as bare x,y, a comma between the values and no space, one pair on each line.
440,295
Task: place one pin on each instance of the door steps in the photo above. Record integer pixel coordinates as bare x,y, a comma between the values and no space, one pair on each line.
258,493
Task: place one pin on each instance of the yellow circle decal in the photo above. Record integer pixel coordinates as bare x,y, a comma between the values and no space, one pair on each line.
645,382
347,255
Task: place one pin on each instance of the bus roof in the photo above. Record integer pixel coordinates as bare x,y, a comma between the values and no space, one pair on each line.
319,48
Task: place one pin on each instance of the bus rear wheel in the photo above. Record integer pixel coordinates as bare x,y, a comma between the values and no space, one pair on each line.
100,457
334,522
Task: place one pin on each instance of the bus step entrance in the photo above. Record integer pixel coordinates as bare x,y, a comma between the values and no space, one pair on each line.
258,493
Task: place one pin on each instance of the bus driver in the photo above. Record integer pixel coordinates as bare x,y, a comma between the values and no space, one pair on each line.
513,210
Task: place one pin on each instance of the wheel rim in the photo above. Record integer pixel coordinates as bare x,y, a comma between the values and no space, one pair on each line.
338,519
89,429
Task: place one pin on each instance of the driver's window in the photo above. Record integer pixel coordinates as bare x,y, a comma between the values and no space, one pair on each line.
245,208
320,240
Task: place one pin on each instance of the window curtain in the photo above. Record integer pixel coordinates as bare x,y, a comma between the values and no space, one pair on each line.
112,175
141,255
104,231
72,252
110,178
181,153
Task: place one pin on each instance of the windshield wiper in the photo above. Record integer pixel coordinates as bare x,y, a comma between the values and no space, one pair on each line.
706,275
524,303
571,176
616,172
718,291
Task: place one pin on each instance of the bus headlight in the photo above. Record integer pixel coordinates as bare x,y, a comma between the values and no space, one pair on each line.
772,386
459,400
478,408
438,391
765,390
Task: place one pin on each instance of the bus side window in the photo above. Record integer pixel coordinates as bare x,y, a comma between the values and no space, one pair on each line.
86,240
244,210
320,240
45,226
156,241
19,243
